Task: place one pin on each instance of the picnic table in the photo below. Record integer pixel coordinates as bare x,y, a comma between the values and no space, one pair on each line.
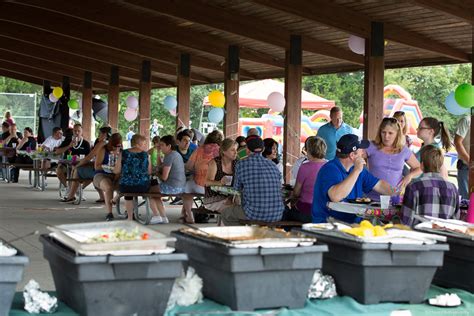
371,211
5,153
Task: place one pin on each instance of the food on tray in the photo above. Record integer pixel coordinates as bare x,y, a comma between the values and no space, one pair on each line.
363,200
366,229
453,228
445,300
119,235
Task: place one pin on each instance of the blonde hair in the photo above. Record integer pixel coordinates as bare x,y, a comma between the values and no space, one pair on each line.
136,139
226,145
432,158
316,147
399,141
399,114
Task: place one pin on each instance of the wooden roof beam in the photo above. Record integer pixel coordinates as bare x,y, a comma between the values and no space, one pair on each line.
226,20
340,17
94,34
21,77
458,9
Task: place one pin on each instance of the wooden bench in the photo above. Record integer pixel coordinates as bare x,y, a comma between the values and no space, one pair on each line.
286,225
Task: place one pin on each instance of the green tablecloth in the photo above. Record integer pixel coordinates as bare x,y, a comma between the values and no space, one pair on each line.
332,307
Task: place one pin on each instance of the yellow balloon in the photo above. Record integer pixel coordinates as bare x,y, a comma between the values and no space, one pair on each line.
58,92
217,99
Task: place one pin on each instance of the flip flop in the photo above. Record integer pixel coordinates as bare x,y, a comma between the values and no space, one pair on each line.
100,201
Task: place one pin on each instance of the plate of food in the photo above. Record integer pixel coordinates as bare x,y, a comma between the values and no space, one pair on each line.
362,200
445,300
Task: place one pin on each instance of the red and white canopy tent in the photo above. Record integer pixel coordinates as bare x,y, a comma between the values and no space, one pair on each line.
254,95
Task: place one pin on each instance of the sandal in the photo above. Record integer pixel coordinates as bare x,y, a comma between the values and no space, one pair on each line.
67,200
100,201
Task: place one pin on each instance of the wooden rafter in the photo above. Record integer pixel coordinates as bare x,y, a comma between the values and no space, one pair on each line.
457,9
340,17
22,77
101,14
249,27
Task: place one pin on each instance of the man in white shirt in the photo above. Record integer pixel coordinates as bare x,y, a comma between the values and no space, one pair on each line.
54,140
462,142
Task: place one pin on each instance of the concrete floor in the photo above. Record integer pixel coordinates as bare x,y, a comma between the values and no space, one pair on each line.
24,210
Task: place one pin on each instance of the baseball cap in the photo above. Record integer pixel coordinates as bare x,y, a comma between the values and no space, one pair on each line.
350,143
254,143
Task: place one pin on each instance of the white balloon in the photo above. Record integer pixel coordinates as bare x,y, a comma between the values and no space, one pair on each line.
130,114
357,44
132,102
276,101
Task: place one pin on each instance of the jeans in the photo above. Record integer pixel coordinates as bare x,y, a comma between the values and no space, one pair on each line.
463,179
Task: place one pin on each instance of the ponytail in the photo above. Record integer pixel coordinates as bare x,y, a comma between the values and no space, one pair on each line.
445,138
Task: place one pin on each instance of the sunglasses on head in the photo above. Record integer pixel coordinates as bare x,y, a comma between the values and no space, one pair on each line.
399,113
390,119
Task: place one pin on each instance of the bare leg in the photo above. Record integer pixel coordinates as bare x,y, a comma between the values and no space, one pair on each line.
153,203
187,207
61,174
74,186
106,187
159,206
129,208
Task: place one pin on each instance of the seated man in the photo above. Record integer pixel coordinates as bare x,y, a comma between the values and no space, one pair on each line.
53,141
430,194
258,181
343,178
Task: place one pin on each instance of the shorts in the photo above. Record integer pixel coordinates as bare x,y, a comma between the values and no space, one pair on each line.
231,216
134,189
193,187
99,177
85,172
167,189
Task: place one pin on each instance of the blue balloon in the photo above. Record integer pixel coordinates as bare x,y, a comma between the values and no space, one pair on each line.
170,103
215,115
453,107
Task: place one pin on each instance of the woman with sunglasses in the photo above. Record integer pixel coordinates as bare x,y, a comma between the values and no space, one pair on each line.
387,155
434,132
401,118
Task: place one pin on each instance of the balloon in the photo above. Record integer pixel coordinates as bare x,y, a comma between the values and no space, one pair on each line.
73,104
52,98
453,107
130,114
132,102
216,98
172,112
215,115
464,95
170,103
357,44
276,101
58,92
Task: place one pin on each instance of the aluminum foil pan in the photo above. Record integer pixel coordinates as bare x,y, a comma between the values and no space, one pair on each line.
250,237
78,238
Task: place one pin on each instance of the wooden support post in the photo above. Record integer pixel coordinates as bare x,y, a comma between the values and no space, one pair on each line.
231,92
64,108
113,98
471,145
184,91
144,110
373,81
87,106
292,124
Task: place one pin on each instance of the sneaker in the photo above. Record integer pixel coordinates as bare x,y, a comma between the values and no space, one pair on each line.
156,220
109,217
165,220
67,200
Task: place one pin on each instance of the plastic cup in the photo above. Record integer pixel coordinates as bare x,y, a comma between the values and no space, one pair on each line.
228,180
385,201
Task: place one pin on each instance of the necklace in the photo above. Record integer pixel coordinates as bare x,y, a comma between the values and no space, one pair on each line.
80,144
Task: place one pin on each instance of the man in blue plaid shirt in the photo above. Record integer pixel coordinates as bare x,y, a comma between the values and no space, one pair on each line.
259,181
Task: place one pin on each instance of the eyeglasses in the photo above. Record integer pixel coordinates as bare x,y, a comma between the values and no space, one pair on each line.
420,128
399,113
390,119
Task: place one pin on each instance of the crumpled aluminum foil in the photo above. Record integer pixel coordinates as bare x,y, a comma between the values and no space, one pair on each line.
37,301
322,286
187,289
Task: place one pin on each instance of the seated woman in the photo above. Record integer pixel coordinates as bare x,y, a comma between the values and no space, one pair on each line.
84,170
270,151
105,179
304,185
134,168
171,176
430,194
28,141
387,156
198,163
221,170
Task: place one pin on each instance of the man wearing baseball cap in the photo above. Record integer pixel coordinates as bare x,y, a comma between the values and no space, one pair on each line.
343,178
258,181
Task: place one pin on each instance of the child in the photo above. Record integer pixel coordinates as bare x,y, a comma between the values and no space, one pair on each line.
430,194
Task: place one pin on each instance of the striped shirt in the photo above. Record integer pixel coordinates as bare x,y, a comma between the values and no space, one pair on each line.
258,179
430,195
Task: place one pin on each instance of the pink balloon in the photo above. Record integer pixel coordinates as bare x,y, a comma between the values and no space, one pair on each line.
52,98
130,114
172,112
276,101
357,44
132,102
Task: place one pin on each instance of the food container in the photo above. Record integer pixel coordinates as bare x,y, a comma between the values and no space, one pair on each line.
78,237
11,272
458,267
112,285
250,268
378,272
